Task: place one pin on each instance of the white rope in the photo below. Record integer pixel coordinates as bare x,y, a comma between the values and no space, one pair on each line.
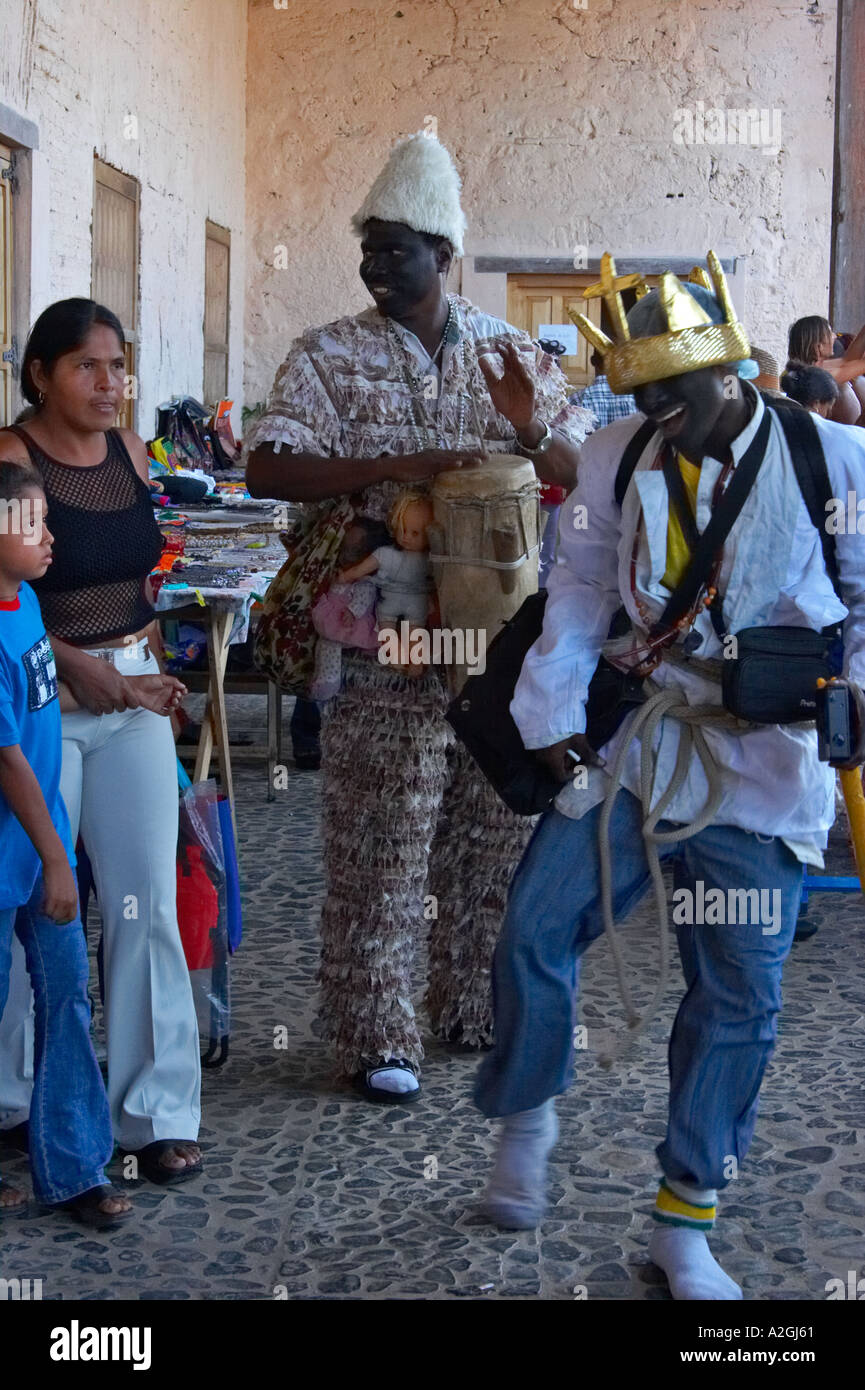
663,704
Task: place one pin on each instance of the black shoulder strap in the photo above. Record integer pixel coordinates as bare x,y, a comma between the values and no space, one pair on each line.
631,457
812,475
712,539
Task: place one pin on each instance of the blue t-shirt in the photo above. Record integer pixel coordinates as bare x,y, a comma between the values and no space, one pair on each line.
30,717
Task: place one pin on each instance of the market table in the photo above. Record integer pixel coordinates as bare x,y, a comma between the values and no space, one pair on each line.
230,555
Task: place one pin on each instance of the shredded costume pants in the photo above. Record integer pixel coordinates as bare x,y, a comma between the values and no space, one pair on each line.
415,839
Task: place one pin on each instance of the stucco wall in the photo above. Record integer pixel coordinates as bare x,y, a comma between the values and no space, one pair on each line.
562,121
79,70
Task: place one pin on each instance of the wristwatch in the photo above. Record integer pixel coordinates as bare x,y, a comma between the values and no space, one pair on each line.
542,445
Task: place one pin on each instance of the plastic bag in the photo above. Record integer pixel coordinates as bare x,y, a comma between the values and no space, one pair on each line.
186,423
208,907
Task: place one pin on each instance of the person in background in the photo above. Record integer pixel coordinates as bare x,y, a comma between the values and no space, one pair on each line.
552,495
811,341
767,382
604,404
119,771
305,730
811,387
70,1123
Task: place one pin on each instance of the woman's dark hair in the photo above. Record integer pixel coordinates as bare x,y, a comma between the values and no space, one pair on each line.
59,329
16,478
805,337
808,385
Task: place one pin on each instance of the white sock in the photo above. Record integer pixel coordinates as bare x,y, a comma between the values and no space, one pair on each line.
394,1079
516,1193
691,1269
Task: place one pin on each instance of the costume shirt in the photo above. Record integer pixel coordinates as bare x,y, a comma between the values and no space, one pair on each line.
772,574
341,393
30,718
678,553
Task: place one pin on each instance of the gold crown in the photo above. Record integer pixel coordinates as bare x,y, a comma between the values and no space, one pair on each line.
692,340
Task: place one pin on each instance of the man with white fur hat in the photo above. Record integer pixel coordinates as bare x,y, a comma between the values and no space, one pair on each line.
405,812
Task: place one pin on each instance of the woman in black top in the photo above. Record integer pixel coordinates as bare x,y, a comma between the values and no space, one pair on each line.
119,768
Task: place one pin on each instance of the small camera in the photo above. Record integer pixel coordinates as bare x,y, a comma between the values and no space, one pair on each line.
834,722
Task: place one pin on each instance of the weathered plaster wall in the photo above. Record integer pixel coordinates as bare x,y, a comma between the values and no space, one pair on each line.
79,70
562,123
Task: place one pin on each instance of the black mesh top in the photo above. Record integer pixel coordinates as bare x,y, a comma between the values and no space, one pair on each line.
106,542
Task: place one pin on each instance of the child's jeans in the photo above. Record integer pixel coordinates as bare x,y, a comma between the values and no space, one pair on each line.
70,1127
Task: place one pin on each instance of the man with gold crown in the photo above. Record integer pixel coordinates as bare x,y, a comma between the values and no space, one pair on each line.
421,383
691,526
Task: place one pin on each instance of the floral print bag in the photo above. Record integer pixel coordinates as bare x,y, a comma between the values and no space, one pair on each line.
285,639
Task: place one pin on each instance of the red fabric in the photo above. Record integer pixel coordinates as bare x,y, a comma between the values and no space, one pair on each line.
197,908
552,494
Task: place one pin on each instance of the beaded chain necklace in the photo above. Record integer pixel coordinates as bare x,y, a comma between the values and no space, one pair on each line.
645,657
425,431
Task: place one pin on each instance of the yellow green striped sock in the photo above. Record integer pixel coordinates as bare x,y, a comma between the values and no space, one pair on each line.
672,1210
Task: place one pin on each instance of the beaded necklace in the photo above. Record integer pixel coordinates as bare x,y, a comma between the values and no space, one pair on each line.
644,657
425,431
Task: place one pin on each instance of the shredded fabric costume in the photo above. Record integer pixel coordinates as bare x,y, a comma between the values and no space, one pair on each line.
414,838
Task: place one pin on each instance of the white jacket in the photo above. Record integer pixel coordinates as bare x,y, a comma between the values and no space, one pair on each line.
772,574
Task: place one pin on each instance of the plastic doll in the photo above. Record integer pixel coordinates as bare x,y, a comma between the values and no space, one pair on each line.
402,570
344,615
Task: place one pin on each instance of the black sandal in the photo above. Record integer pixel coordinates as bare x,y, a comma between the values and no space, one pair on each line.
86,1209
150,1167
375,1093
16,1138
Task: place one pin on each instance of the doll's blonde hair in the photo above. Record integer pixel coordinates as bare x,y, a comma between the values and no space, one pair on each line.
400,506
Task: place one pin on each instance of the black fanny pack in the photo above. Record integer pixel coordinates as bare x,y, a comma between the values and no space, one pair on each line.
772,679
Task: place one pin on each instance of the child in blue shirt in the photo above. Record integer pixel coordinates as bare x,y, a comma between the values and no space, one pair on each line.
70,1125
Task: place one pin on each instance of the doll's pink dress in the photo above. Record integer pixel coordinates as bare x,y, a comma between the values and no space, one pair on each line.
344,616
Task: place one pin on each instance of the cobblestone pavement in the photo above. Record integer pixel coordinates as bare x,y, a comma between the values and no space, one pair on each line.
311,1193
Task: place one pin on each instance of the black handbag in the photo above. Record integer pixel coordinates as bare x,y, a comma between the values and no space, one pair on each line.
481,717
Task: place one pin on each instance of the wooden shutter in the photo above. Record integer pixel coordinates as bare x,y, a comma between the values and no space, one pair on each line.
217,267
6,346
114,278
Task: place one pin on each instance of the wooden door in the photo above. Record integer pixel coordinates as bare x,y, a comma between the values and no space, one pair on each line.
217,264
114,277
537,299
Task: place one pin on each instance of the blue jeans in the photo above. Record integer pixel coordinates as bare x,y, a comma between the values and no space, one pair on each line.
70,1126
725,1029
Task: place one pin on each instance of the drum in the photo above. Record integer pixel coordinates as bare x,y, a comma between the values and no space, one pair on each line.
484,546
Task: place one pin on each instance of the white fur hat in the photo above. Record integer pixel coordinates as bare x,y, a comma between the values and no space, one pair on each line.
420,187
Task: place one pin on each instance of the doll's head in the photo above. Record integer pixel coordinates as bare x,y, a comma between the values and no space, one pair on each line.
362,537
408,520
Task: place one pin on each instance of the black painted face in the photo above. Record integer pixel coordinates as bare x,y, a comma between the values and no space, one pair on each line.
687,408
399,266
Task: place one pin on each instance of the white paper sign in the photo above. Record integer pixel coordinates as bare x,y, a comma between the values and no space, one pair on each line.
561,333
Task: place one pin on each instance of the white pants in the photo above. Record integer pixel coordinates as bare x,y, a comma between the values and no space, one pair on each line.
119,783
